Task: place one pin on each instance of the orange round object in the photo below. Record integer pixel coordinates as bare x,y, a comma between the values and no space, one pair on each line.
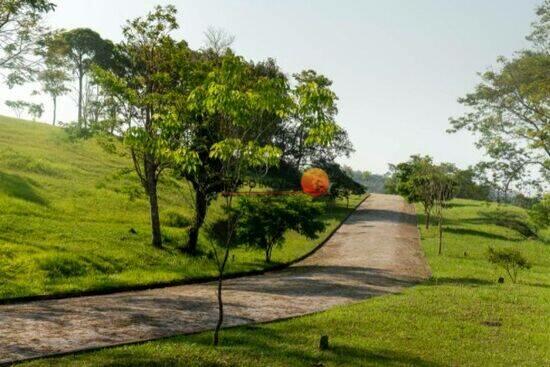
315,182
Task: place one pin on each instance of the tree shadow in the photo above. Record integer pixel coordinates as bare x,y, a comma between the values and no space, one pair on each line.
20,188
474,232
381,215
459,281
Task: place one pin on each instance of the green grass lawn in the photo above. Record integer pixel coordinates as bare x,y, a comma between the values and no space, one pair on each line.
461,317
68,210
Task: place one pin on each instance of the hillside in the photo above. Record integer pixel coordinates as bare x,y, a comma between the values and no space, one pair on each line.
73,218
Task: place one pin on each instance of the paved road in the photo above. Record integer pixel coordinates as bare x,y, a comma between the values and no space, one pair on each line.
375,252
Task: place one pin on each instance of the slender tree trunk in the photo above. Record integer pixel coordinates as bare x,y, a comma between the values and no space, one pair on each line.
201,207
54,110
440,228
80,82
268,254
219,324
156,238
427,219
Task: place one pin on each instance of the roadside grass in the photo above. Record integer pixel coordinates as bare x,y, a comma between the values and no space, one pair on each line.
74,218
460,317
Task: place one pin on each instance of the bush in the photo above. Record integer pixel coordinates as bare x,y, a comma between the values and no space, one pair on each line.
509,259
263,221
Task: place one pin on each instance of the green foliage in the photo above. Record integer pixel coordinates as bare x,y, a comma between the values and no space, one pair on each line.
21,27
540,212
262,222
509,112
510,259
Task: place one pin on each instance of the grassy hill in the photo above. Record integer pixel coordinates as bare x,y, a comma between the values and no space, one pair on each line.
461,317
73,218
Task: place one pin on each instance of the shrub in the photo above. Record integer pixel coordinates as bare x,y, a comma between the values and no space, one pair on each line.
509,259
263,221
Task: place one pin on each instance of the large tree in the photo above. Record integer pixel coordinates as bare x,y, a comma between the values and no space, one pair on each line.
150,80
21,26
509,110
82,48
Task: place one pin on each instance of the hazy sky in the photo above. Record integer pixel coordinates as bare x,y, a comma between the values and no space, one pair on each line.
398,66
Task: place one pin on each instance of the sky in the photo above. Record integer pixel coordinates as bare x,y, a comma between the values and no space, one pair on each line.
398,66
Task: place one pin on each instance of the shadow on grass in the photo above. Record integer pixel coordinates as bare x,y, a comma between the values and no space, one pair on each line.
20,188
474,232
459,281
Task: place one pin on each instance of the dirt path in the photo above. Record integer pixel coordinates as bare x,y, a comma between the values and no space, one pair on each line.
375,252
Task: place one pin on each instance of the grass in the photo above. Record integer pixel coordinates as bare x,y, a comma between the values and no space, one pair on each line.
461,317
74,218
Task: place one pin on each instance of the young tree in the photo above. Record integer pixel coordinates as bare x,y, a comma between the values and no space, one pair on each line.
509,259
263,221
150,82
35,110
443,185
17,107
236,100
21,26
54,83
413,180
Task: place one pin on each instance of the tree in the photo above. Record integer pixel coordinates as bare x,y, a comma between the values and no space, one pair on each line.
312,95
263,221
414,181
35,110
148,81
509,259
234,99
17,106
442,183
82,48
509,109
218,40
21,27
468,187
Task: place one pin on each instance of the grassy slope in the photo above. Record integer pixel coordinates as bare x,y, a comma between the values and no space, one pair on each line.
66,210
440,323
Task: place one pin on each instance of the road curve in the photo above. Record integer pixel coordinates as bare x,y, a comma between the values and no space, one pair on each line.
376,251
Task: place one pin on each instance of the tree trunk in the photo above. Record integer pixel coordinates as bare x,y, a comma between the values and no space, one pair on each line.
201,206
54,110
221,269
440,227
427,220
80,82
268,254
156,238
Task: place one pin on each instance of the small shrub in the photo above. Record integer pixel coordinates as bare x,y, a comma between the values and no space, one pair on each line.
176,220
509,259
